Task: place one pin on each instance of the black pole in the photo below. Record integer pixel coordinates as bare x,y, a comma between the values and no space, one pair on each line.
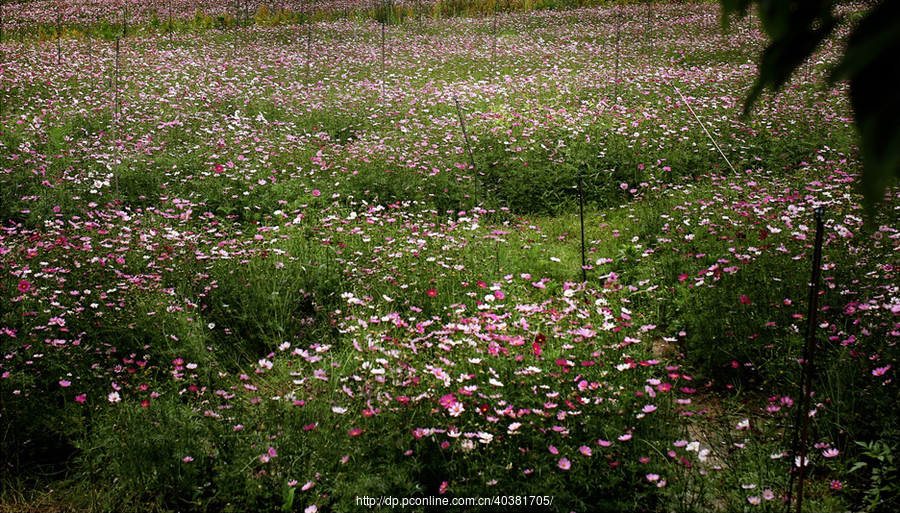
806,370
118,135
125,22
462,125
308,43
618,37
581,205
117,87
58,36
383,37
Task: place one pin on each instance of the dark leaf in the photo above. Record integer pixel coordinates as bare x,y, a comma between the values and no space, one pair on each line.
872,63
796,28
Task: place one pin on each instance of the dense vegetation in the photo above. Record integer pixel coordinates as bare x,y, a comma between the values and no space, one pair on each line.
284,260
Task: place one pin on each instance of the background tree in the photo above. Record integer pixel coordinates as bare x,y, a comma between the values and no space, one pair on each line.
870,61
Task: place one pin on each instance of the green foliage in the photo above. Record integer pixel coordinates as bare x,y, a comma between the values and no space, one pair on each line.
882,490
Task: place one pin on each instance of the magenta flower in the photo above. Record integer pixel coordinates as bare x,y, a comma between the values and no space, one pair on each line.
24,286
316,193
81,398
447,401
64,383
564,464
881,370
745,300
585,450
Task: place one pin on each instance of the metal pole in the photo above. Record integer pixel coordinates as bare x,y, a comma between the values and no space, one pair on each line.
58,36
116,120
618,37
462,125
581,205
806,372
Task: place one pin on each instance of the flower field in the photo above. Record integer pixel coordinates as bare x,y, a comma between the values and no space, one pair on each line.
264,256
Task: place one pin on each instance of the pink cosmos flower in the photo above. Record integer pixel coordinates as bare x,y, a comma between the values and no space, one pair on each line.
64,383
316,193
564,464
447,401
585,450
881,370
830,453
24,286
81,398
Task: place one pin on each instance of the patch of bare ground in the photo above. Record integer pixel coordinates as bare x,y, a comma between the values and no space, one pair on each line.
720,426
